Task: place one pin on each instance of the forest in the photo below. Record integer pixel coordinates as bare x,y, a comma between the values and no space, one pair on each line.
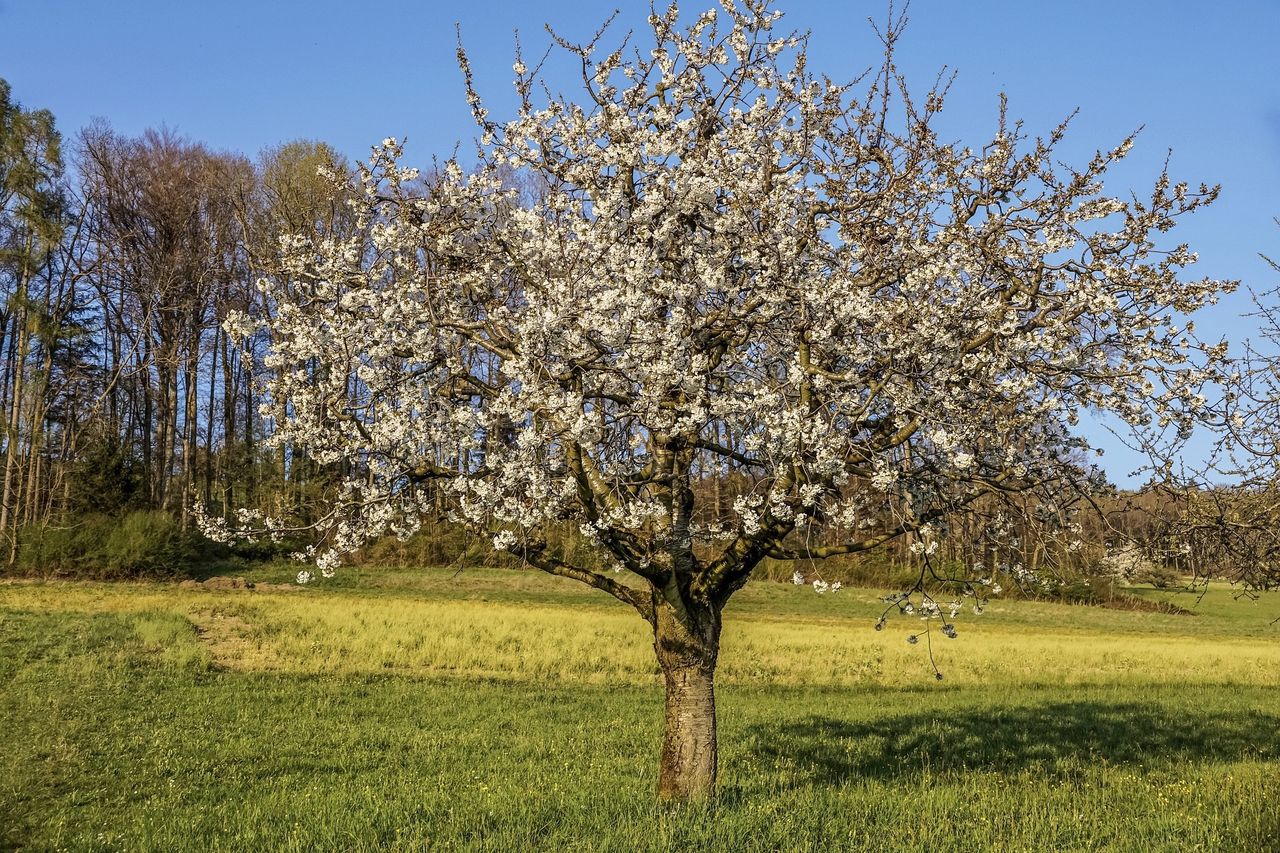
124,401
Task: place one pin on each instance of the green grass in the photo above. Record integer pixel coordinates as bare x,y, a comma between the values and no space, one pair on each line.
510,711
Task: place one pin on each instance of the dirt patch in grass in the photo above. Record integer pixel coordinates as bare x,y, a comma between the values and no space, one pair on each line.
229,638
220,582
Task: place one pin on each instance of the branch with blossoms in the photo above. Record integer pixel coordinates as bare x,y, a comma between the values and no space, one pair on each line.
1220,520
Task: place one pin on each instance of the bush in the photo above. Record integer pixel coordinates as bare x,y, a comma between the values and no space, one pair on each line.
265,550
58,550
1160,576
138,544
444,544
149,543
433,545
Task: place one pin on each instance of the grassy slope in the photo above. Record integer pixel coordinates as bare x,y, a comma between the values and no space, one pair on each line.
504,711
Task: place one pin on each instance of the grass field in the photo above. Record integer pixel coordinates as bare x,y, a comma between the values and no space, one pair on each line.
511,711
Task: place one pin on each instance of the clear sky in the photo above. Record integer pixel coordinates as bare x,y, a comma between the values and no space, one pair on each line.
1202,77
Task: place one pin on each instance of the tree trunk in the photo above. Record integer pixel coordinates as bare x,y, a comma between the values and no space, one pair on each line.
687,642
230,394
8,495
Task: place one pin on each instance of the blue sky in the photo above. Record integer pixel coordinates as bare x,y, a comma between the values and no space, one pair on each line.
1203,78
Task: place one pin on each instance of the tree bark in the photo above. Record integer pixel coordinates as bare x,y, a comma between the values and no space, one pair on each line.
687,642
8,495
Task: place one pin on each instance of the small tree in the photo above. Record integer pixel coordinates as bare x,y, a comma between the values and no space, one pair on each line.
724,260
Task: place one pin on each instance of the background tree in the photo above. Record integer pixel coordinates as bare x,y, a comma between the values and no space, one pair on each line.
35,308
1221,519
302,187
177,234
121,393
730,260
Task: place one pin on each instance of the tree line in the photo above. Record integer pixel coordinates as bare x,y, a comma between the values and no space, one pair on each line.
120,258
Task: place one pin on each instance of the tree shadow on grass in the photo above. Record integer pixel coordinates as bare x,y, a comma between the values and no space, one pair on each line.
1057,739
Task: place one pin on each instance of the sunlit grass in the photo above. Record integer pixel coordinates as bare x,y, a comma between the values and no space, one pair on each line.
777,635
507,711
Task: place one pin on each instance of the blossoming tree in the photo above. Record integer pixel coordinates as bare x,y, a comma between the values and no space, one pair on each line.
718,257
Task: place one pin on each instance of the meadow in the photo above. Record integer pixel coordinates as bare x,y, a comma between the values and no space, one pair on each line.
505,710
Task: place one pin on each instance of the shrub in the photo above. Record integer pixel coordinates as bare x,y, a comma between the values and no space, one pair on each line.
58,550
149,543
264,550
143,543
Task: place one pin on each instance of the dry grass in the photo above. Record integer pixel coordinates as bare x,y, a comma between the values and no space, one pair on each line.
592,641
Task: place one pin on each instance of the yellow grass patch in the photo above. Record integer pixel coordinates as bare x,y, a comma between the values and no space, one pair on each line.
593,641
